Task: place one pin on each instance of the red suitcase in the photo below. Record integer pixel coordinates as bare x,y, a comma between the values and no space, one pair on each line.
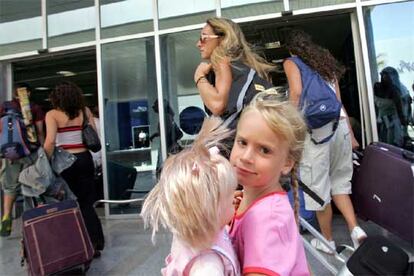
383,190
55,239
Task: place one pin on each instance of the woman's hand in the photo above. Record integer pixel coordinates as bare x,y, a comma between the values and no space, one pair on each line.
202,70
355,144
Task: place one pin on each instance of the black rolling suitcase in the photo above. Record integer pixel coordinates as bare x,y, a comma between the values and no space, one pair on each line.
377,255
383,190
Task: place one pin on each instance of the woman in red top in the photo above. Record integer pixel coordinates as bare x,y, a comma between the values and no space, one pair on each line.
64,129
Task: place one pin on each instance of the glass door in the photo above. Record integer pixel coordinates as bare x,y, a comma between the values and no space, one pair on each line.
129,91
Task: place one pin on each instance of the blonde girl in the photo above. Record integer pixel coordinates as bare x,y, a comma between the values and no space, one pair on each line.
193,199
269,143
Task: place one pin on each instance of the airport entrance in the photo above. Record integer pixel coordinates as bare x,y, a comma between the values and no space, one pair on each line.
128,95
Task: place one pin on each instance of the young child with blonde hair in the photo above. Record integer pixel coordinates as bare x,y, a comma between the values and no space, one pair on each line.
193,199
269,143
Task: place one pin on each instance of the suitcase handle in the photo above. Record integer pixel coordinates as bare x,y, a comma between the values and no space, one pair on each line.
115,201
409,155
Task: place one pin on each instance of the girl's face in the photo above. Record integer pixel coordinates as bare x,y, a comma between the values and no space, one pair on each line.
207,42
258,155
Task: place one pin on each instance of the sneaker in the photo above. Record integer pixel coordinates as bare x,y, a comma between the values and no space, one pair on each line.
322,247
6,227
357,236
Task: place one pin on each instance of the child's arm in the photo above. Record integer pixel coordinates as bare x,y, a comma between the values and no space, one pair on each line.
207,265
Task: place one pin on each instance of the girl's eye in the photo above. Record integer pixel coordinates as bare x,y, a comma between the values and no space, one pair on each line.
241,142
264,150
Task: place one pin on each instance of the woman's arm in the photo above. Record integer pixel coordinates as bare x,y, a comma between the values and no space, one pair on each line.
294,81
214,97
40,132
355,143
51,130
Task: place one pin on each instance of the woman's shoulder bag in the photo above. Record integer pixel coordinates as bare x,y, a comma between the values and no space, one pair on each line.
89,136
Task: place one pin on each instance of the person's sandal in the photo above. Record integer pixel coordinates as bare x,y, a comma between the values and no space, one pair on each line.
322,247
6,227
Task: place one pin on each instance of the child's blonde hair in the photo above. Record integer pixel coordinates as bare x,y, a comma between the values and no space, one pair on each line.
286,122
189,197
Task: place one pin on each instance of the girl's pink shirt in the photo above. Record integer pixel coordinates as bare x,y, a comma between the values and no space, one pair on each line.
266,238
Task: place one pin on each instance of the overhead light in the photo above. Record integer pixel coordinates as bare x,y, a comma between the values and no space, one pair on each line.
42,88
88,94
66,73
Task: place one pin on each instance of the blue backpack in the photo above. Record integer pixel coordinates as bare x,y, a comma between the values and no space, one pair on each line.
13,136
318,101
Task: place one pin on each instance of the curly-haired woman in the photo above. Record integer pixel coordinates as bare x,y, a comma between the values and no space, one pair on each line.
326,168
227,59
64,129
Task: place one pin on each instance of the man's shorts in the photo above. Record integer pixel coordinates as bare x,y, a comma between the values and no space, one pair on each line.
327,168
9,174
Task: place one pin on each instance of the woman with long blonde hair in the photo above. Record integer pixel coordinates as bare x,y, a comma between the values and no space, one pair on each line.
227,60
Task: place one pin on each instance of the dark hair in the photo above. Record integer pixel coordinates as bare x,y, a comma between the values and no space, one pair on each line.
319,59
68,98
21,85
25,85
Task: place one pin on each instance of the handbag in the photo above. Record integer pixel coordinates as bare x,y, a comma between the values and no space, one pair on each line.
89,136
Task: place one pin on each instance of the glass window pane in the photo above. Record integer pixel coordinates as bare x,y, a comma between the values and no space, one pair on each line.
236,9
177,13
180,58
70,22
390,42
20,26
129,90
304,4
125,17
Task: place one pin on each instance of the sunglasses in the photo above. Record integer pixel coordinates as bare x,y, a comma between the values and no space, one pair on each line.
204,37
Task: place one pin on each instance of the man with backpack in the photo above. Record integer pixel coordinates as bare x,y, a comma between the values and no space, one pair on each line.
14,159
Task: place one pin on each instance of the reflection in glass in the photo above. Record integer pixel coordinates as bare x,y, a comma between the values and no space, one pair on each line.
236,9
300,4
390,39
180,58
70,22
129,89
125,17
20,27
177,13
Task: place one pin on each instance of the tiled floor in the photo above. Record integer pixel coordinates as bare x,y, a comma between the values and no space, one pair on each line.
129,250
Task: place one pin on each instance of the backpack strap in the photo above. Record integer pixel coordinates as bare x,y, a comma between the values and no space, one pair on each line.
85,120
240,99
326,139
10,129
